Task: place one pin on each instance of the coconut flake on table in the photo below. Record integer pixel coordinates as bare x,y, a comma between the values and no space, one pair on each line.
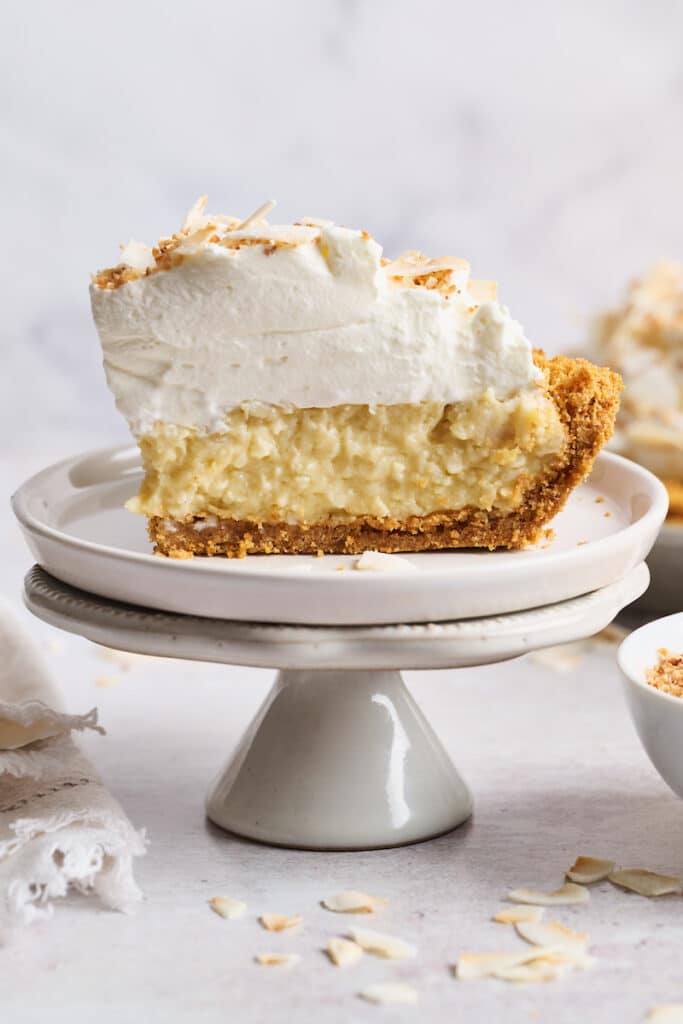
544,963
552,934
280,922
516,915
350,901
645,883
545,968
382,945
587,870
343,952
390,993
566,895
471,966
277,959
227,907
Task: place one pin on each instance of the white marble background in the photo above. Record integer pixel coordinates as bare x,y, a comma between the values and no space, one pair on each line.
541,141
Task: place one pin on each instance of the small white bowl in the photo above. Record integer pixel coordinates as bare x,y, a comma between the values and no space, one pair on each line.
657,716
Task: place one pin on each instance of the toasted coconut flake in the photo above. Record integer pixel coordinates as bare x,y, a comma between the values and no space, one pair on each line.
471,966
257,215
566,895
553,934
541,970
515,915
390,993
586,870
484,965
446,275
194,217
270,237
645,883
667,1013
138,256
382,561
277,959
483,291
224,220
202,234
349,901
382,945
453,263
416,264
280,922
227,907
343,952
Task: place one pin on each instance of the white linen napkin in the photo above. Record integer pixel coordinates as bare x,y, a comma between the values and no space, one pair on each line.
59,826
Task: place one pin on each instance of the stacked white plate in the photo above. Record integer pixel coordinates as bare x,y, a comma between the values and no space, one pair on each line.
74,520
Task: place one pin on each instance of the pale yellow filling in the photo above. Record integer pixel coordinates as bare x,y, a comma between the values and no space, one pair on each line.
303,465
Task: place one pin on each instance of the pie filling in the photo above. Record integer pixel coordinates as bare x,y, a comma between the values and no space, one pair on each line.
298,465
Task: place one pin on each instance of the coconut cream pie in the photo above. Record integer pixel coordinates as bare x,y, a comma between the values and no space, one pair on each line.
293,391
643,340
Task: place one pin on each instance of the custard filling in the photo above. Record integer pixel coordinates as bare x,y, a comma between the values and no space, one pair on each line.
306,465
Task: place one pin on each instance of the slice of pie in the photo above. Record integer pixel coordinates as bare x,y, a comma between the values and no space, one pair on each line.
642,338
292,391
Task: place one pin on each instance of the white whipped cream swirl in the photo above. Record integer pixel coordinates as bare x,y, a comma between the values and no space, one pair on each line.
317,321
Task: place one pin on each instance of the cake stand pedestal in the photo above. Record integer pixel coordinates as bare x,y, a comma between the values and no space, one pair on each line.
339,756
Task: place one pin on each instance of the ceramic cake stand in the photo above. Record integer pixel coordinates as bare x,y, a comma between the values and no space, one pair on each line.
339,756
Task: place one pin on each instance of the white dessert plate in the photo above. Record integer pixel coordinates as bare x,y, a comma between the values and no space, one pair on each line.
73,518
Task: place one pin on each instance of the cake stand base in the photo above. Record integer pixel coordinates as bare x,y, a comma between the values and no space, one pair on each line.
339,757
339,760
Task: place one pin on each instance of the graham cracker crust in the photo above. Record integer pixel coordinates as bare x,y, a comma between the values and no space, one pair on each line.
587,399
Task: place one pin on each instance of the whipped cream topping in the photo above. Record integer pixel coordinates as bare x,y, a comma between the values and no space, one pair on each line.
229,313
643,340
